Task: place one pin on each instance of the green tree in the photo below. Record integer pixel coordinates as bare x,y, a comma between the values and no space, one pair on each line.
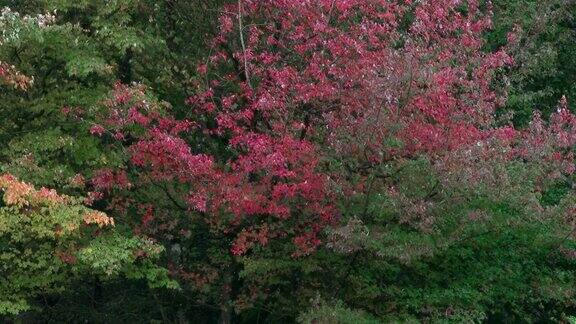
49,241
543,46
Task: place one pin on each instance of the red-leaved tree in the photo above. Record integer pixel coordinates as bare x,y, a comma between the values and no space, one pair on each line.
293,84
302,104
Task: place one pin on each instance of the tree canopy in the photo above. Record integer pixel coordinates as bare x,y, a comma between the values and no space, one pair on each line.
318,161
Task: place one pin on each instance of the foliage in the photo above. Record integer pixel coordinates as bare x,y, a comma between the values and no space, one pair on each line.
544,52
336,313
48,239
321,161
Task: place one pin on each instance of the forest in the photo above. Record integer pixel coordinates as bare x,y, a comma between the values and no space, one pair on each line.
287,161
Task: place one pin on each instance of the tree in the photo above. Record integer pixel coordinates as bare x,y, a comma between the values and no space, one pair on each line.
372,105
75,51
339,159
48,241
543,51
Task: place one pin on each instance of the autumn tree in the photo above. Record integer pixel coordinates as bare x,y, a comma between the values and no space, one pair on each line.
319,161
50,240
310,115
